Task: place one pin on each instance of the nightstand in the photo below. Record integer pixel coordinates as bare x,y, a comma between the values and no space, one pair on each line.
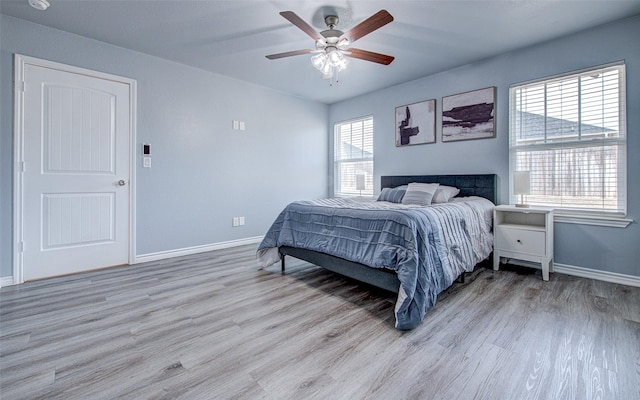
523,234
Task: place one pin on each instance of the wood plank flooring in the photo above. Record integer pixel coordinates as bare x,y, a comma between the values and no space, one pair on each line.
213,326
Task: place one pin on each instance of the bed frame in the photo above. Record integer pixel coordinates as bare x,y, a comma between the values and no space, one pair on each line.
469,185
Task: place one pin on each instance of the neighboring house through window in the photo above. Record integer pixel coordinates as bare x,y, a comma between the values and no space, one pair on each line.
569,131
353,157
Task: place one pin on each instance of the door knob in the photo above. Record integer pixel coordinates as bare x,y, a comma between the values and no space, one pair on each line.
121,182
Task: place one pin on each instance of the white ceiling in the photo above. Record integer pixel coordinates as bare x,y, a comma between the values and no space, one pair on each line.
232,37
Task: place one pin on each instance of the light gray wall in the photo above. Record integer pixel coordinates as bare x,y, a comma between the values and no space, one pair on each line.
602,248
203,172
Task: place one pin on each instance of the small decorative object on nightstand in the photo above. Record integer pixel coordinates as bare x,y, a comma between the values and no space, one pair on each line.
523,234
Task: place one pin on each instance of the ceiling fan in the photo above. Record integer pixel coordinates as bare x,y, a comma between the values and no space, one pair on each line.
332,45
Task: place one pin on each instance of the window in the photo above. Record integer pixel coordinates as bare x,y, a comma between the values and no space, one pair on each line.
569,132
353,157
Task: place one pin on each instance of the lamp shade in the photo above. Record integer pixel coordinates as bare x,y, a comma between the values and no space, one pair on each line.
360,182
521,182
39,4
319,61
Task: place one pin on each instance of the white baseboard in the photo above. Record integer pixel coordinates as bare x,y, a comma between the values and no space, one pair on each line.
161,255
613,277
6,281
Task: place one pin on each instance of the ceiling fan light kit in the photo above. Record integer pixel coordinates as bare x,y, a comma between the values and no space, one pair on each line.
329,62
332,45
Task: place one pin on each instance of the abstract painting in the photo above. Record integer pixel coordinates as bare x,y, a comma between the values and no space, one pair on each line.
416,123
469,115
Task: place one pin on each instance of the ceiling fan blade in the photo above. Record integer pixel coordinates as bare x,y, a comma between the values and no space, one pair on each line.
300,23
289,54
377,20
369,56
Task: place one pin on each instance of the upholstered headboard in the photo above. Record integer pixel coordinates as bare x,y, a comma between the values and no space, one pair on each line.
469,185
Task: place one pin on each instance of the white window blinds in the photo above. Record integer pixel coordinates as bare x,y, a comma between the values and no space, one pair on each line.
570,133
353,157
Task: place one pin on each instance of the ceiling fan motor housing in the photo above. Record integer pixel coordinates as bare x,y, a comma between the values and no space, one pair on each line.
331,35
331,21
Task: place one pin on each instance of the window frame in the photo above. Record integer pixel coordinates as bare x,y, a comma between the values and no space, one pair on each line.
338,190
586,216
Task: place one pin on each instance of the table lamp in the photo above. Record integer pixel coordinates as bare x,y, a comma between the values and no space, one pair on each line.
521,185
360,183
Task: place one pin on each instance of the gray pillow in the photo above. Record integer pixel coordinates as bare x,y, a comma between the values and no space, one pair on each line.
420,193
392,195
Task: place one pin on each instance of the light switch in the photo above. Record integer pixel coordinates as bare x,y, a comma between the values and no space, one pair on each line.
146,162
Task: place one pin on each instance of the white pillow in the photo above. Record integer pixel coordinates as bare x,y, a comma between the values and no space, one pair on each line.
444,194
420,193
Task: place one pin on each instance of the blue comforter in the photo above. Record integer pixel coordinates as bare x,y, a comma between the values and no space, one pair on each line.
428,247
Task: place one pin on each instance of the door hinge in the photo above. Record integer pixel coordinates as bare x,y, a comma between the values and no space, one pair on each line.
21,166
21,247
21,86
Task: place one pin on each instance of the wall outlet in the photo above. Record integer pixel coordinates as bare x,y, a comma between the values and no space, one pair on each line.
238,125
237,221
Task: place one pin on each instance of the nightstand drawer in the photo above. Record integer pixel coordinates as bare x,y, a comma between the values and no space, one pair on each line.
520,240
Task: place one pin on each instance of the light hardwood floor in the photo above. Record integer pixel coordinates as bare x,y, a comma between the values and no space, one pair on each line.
212,326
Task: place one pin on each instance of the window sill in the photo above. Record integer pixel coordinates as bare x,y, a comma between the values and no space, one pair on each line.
613,221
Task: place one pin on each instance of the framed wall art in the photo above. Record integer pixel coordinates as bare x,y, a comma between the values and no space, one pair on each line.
469,115
416,123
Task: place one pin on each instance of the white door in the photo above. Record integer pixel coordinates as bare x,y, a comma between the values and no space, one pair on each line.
76,138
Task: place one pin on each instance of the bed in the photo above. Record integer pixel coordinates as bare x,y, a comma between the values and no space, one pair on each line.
411,250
